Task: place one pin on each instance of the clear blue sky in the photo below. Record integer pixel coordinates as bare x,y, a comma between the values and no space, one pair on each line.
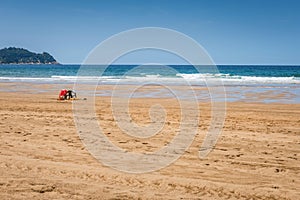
232,31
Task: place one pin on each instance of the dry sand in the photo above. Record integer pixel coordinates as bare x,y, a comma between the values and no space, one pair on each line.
42,157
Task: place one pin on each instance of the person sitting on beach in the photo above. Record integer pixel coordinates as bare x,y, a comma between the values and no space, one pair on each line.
67,94
70,94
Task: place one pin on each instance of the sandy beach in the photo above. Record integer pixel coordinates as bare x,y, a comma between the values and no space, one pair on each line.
42,156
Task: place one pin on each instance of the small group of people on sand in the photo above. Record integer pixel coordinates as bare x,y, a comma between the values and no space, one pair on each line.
66,95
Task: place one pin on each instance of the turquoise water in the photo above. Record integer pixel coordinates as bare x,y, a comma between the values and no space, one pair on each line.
228,73
242,83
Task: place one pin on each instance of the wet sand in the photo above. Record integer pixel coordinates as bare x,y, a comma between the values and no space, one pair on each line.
42,156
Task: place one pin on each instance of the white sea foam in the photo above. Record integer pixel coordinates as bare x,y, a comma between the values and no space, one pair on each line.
226,78
178,79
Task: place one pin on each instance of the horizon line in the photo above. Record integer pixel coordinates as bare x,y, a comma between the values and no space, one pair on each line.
182,64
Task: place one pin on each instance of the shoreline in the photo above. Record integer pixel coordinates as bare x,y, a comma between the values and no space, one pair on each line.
233,94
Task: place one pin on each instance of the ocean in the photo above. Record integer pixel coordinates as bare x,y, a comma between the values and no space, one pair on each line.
239,80
230,74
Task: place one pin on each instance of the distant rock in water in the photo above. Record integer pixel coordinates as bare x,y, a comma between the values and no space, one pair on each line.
13,55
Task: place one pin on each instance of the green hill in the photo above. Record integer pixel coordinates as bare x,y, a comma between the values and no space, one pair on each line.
13,55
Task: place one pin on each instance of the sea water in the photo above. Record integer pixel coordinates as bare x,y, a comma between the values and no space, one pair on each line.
242,82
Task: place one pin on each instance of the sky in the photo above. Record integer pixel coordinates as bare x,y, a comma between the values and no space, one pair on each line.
231,31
